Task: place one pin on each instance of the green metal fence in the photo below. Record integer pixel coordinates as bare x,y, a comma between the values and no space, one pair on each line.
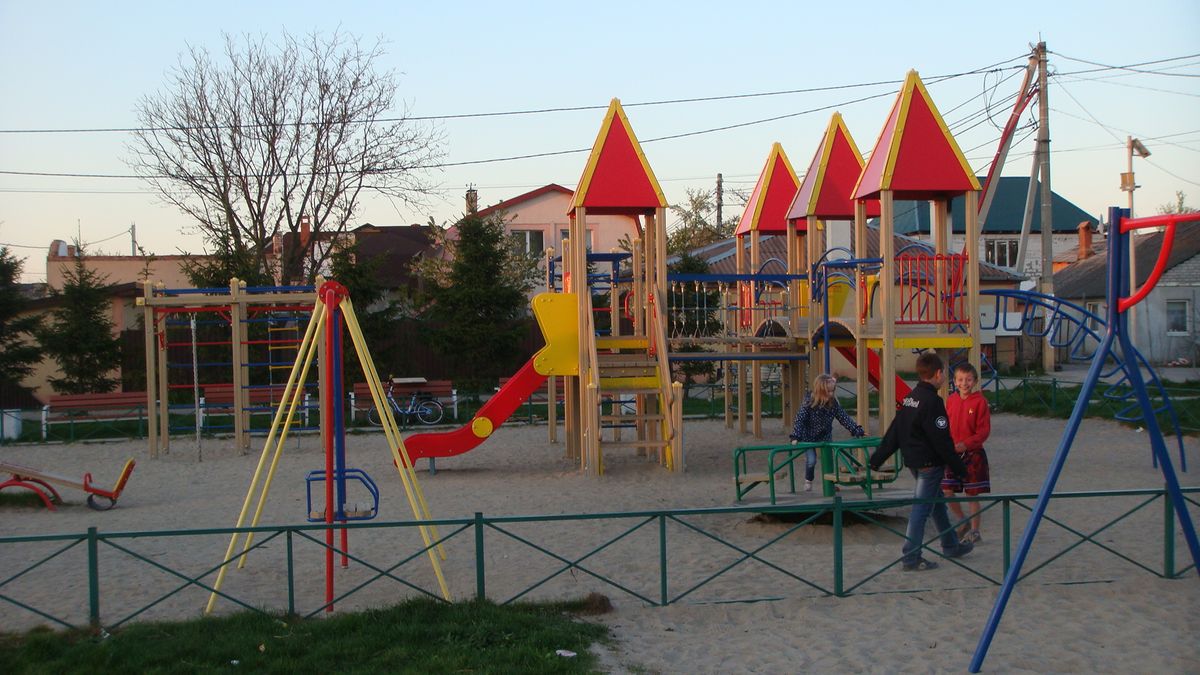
839,548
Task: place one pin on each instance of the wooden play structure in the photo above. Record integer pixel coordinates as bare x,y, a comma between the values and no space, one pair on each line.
42,483
245,337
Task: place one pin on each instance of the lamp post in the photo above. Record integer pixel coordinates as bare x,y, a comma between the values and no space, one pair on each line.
1133,147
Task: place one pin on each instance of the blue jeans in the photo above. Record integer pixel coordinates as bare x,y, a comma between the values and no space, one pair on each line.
929,486
810,463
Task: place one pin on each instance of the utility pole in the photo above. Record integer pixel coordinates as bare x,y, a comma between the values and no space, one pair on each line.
1132,147
1047,216
133,238
720,202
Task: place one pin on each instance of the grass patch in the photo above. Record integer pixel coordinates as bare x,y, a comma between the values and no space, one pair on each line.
418,636
19,500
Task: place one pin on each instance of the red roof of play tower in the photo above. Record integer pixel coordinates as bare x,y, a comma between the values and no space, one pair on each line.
768,206
617,179
828,186
915,156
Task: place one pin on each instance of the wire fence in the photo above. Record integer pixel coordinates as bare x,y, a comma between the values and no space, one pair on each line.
655,558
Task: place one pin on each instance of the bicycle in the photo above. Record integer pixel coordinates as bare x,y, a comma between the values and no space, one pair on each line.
424,407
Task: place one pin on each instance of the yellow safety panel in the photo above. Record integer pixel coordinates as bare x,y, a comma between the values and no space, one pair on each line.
622,342
924,342
558,316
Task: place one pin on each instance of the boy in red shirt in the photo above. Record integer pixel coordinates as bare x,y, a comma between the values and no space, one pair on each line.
970,426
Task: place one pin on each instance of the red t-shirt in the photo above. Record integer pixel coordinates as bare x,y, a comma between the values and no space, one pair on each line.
970,419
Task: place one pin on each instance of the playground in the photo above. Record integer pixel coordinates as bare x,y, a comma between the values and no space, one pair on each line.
1120,619
510,514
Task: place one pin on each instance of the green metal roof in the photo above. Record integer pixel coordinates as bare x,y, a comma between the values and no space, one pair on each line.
1008,208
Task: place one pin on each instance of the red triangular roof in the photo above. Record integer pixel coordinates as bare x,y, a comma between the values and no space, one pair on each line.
915,156
828,186
766,211
617,178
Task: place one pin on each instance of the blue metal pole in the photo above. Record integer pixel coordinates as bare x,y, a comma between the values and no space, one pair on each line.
1116,244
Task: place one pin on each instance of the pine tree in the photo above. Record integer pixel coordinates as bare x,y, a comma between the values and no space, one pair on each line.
80,336
475,314
18,349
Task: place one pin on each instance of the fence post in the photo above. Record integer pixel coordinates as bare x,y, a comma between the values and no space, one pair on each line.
1168,536
662,559
1006,509
93,549
837,547
291,576
480,590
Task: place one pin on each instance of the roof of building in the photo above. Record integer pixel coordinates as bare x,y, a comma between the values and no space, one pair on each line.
508,204
1004,216
722,259
1087,278
397,245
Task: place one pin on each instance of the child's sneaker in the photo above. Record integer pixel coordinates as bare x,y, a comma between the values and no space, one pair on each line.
808,486
963,548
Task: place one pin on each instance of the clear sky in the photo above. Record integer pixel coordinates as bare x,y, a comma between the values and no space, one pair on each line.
85,65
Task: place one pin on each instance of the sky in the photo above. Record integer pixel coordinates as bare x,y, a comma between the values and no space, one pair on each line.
85,66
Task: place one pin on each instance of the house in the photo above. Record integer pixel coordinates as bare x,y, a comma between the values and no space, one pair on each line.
539,219
117,269
1165,324
1002,229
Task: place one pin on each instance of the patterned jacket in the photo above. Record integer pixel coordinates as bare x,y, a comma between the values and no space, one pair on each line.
814,424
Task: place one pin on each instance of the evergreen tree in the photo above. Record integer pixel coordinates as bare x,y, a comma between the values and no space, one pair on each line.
18,350
80,336
476,310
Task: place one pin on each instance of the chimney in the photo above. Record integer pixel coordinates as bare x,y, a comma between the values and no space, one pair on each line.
1085,241
472,200
305,232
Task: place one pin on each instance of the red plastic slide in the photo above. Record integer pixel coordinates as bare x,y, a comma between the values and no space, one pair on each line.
493,413
902,387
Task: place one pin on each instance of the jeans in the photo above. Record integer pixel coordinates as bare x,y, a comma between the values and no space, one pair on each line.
810,463
929,486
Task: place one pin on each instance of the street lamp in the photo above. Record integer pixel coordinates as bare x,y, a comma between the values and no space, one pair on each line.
1133,147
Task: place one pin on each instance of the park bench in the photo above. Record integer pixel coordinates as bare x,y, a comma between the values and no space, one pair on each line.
402,389
539,396
86,408
42,484
217,399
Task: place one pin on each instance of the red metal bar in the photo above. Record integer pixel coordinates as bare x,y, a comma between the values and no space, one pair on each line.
1165,220
327,365
1160,266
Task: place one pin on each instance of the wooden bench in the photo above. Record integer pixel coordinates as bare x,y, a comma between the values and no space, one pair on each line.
42,484
82,408
217,399
402,389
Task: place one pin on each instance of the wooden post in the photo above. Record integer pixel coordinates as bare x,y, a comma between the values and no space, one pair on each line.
164,420
972,272
238,336
860,325
153,411
755,366
887,309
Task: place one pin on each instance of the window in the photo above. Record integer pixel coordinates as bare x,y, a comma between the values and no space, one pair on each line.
529,241
566,234
1002,252
1096,309
1177,317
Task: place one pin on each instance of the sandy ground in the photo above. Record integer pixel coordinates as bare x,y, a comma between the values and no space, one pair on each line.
1112,617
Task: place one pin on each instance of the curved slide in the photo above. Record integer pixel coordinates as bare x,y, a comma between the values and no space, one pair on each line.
493,413
556,314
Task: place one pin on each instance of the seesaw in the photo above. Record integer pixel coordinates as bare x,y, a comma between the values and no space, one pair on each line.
42,484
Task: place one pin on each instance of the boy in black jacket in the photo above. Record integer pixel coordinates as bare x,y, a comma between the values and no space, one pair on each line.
921,431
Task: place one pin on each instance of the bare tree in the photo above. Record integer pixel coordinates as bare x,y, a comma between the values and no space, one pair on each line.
276,131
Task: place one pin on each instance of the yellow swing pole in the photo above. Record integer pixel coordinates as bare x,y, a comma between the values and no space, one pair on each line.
408,474
318,312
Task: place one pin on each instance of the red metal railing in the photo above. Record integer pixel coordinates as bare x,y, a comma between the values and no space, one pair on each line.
932,289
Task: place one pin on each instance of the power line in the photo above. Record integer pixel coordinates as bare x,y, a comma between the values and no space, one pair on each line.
1169,173
1132,67
509,113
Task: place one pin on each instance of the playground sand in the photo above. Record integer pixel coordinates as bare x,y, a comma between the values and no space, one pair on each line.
1122,620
